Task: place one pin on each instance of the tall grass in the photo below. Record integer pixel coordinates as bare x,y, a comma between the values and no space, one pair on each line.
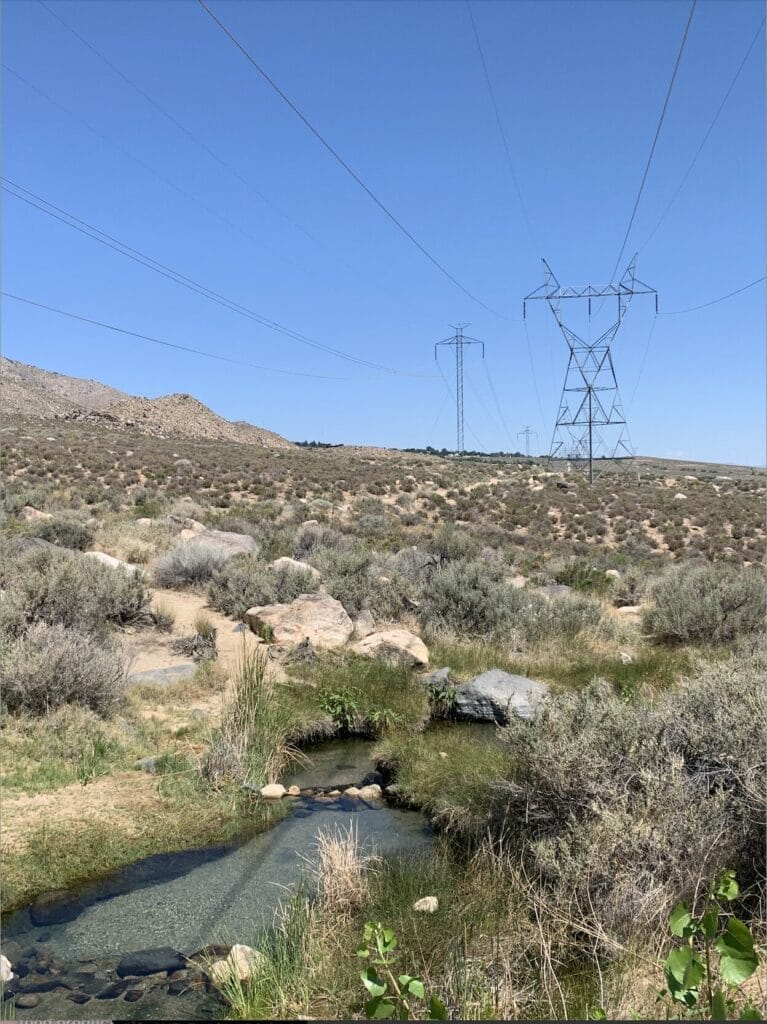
252,744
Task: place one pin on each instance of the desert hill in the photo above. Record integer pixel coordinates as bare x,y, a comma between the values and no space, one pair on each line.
31,391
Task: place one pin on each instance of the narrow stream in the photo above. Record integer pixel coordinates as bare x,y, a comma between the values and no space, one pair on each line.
189,900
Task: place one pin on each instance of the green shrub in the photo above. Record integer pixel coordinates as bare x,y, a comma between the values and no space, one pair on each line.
189,563
347,576
621,807
50,666
706,603
583,574
66,533
470,599
58,587
562,618
245,581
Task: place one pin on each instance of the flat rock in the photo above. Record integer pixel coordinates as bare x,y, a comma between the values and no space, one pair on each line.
164,676
292,564
151,961
230,544
394,646
553,590
34,515
372,792
318,617
273,791
56,907
27,1001
111,562
495,696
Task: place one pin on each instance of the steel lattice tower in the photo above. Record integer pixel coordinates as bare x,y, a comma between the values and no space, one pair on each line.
459,341
591,424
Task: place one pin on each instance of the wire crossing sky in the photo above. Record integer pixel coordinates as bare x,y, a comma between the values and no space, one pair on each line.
485,131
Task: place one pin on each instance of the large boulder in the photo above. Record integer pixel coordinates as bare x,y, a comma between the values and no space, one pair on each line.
318,617
394,646
111,562
230,544
294,565
497,696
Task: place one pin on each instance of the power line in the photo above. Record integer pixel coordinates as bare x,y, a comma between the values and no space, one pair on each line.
644,360
342,162
655,139
169,344
705,137
713,302
57,213
502,418
502,133
147,167
532,370
174,120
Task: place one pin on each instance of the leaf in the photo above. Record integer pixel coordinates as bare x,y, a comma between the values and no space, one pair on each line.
684,972
737,957
416,987
718,1006
363,951
373,983
679,918
727,886
379,1009
437,1009
708,923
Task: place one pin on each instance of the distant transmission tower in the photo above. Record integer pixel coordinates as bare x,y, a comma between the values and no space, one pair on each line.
459,341
590,423
527,433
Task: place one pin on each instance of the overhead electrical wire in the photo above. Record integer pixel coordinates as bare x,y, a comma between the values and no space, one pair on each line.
710,128
337,156
655,138
501,132
147,167
174,120
57,213
497,404
713,302
171,344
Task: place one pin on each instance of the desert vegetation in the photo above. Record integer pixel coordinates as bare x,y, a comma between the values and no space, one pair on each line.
564,840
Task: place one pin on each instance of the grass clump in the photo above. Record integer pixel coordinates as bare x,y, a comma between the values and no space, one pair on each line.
246,581
252,745
50,666
706,603
469,598
190,563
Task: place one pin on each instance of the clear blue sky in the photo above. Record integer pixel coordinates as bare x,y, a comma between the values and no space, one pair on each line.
398,89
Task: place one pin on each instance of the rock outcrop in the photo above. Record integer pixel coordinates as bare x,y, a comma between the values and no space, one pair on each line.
496,696
318,617
395,647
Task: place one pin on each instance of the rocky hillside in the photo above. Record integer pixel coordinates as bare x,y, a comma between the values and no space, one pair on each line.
30,391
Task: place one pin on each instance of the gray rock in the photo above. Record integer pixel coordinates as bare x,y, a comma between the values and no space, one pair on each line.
230,543
111,562
495,696
554,590
79,997
164,676
27,1001
147,764
439,679
150,961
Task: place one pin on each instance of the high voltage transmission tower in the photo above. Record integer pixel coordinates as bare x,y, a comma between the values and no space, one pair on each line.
527,433
590,423
459,340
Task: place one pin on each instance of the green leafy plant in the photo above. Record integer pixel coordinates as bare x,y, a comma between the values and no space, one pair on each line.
342,705
442,698
392,996
704,988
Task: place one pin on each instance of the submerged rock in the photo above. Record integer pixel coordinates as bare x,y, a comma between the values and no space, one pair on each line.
6,969
150,961
495,696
